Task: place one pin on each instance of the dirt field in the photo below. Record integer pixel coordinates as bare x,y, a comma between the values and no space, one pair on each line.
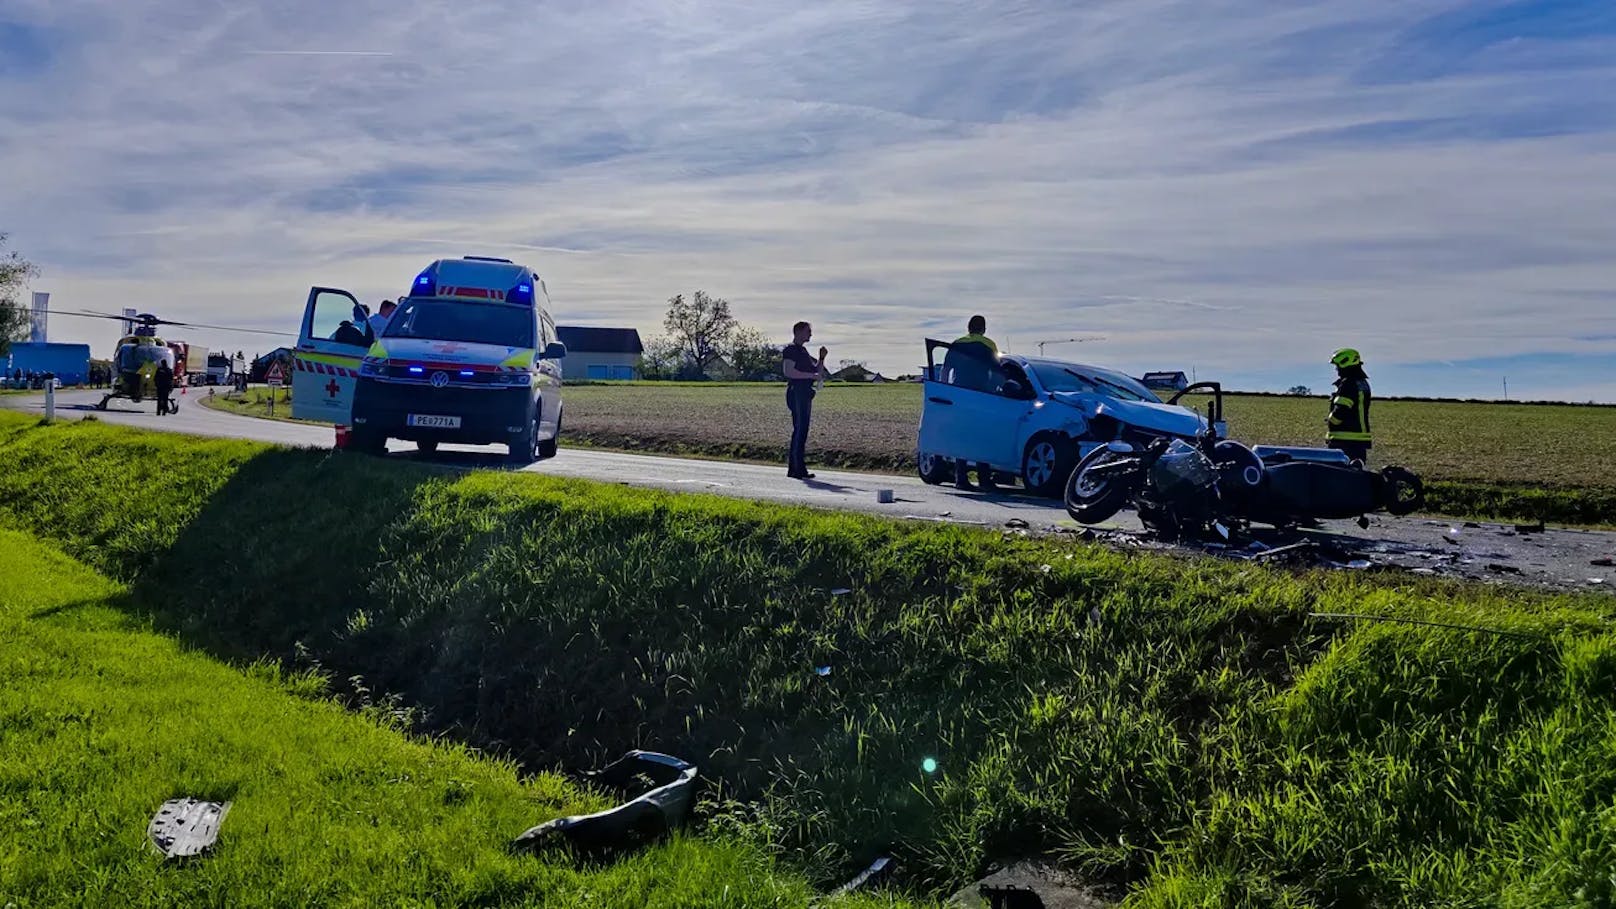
874,426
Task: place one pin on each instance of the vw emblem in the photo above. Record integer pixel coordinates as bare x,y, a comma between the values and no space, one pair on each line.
440,379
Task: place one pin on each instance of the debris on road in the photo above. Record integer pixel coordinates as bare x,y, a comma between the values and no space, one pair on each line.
1287,550
840,591
883,496
1017,522
1603,563
1502,569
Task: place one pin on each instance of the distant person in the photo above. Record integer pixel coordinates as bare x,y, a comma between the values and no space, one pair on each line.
164,380
801,371
1347,428
378,322
976,354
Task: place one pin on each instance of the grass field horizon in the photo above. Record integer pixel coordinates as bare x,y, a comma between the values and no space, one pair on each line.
1178,732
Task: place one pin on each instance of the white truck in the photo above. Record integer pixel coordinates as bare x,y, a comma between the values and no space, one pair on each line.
223,368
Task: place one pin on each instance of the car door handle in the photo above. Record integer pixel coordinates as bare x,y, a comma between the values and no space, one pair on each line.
940,401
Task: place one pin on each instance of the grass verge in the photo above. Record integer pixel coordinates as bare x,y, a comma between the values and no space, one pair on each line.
102,720
1185,733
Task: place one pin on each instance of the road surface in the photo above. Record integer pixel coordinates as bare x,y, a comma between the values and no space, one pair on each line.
1555,558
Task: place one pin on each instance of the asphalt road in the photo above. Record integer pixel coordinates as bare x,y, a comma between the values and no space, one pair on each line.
1555,558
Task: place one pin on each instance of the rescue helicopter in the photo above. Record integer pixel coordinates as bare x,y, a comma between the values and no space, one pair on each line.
140,352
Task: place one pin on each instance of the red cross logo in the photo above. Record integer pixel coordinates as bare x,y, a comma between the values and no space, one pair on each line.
332,388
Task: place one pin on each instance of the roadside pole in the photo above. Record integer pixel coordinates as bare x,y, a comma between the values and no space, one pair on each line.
50,401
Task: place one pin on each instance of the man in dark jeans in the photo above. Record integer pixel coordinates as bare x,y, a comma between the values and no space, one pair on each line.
164,380
801,371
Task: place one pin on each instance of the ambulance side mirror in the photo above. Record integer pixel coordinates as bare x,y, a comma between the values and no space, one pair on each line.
555,351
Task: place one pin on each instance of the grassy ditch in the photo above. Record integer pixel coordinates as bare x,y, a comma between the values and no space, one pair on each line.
1181,732
102,720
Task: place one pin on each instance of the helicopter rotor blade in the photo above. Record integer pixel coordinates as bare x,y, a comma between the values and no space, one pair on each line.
149,319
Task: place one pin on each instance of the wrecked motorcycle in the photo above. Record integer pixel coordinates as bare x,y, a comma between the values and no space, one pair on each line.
1187,488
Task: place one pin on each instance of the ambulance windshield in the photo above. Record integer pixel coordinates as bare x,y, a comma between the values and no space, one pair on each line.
469,323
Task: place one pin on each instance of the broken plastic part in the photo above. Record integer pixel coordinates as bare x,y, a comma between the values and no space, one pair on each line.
186,827
644,817
877,868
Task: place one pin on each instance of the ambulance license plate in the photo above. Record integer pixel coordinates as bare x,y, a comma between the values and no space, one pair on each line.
431,421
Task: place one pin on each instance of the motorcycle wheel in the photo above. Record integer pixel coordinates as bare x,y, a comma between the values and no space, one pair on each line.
1405,494
1091,499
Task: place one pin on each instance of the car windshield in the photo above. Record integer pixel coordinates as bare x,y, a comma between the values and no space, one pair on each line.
1056,377
471,323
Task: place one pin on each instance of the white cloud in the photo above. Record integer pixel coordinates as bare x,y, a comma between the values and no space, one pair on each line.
1233,184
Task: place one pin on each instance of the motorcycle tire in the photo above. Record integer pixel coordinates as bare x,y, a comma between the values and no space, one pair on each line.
1404,492
1090,502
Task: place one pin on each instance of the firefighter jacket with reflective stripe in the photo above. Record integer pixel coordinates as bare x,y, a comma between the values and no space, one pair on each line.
1349,411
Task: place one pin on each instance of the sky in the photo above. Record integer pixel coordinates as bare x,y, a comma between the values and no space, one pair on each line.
1229,187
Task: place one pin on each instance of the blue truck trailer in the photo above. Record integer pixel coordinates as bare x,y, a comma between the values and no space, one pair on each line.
68,362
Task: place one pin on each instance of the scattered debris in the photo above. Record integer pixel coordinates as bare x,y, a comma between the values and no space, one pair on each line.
1530,528
1502,569
1017,522
1596,580
186,827
1291,549
1094,614
1603,563
1360,564
1046,569
840,591
1426,571
822,671
1010,896
883,496
648,815
878,868
1471,524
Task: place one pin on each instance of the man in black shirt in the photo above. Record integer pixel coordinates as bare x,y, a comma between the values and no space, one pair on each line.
801,371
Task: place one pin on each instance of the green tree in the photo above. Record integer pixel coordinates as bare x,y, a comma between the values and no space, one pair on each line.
754,356
700,326
14,273
661,359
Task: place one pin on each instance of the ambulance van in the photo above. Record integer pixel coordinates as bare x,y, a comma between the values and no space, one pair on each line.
470,356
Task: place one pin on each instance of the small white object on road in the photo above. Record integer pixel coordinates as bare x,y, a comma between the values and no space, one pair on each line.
840,591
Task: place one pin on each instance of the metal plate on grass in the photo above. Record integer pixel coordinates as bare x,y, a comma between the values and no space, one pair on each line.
186,827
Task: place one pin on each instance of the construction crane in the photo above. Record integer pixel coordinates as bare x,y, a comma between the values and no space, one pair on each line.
1067,341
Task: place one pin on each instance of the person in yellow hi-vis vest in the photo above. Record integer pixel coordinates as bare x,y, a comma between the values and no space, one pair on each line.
1347,428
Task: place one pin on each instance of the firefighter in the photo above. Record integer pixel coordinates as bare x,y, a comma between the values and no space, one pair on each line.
982,355
164,380
1347,428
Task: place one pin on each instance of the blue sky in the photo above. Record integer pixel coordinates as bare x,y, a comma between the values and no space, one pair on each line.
1233,185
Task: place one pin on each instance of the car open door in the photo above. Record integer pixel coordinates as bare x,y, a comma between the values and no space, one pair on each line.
330,344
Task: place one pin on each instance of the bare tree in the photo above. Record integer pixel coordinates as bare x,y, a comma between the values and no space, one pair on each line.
14,271
701,326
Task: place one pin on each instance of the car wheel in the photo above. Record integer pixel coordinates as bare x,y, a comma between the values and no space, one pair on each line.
935,469
1047,463
525,447
426,446
1091,499
367,442
549,447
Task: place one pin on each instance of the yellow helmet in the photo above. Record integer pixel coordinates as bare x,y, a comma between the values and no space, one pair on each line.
1346,358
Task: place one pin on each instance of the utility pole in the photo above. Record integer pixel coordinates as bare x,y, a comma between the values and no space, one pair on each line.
1506,388
1066,341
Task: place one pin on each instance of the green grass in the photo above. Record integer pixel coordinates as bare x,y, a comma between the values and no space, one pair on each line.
1204,743
101,720
255,403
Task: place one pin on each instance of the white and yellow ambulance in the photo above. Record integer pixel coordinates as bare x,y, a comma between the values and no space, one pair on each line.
470,356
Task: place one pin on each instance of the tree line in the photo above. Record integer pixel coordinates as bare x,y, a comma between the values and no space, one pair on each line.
704,340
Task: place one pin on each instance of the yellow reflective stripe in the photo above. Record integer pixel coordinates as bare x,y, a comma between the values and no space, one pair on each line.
1347,436
1343,402
328,359
377,350
521,358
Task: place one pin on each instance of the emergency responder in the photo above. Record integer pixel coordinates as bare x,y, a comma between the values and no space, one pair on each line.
1347,428
981,356
164,380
